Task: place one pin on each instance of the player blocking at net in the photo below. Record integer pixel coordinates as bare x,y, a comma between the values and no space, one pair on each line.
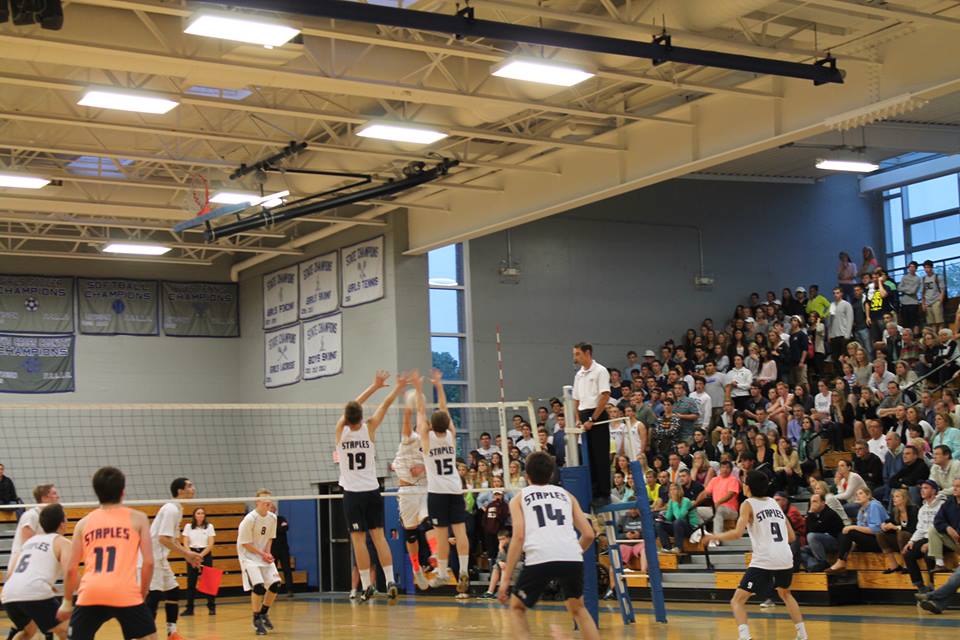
546,521
771,565
445,503
362,502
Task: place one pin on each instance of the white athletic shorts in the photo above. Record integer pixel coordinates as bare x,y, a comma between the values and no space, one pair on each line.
413,508
163,578
254,574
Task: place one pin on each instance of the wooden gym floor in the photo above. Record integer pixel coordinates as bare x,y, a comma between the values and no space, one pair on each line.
333,616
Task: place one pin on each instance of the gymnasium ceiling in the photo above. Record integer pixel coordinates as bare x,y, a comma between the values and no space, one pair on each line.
526,151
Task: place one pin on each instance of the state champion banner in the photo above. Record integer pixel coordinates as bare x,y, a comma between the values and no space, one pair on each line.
36,304
361,269
36,364
280,297
119,306
323,347
318,286
201,309
281,357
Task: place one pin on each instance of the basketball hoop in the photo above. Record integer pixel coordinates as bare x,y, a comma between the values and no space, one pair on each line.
199,193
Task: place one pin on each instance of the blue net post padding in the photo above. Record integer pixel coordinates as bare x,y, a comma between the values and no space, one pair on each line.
649,543
393,531
576,480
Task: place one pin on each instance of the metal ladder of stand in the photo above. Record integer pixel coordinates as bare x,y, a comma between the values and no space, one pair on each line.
616,564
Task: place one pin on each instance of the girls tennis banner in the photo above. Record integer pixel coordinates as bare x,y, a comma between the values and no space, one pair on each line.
201,309
36,364
280,297
323,347
318,286
119,306
361,266
281,357
36,304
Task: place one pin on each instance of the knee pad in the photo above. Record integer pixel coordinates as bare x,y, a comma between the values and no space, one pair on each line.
173,595
275,587
411,535
259,589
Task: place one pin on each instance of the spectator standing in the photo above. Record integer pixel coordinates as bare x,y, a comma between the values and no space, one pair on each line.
863,534
8,491
798,352
861,330
739,380
823,527
879,302
945,531
704,402
934,294
198,536
911,290
817,303
869,261
591,391
913,550
687,410
841,320
846,275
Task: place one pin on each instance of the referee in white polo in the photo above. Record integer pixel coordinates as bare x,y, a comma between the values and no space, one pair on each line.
591,391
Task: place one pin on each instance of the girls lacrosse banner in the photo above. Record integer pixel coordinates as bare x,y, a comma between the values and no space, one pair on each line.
282,363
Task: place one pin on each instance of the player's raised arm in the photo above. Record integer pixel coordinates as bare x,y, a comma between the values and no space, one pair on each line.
516,547
377,418
436,377
379,381
746,515
407,428
423,426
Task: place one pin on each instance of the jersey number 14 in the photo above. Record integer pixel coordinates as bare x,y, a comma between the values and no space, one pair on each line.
547,512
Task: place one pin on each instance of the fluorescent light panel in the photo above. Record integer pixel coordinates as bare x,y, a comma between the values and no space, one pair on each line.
541,71
262,32
400,133
855,166
20,181
136,249
123,100
235,197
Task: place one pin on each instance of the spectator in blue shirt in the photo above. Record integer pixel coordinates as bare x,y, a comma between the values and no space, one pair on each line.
864,534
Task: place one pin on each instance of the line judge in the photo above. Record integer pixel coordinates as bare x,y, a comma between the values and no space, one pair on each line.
591,392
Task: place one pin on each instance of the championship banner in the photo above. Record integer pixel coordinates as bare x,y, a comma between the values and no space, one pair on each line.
322,347
36,364
280,297
119,306
36,304
361,268
201,309
281,357
318,286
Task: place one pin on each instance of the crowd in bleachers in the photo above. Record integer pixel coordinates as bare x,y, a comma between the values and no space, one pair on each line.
782,384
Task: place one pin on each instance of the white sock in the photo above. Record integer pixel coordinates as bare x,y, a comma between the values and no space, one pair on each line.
801,631
464,564
365,579
939,562
388,573
442,569
743,632
171,627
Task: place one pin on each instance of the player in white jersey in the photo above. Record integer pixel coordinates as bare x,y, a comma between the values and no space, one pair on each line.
29,523
771,564
362,502
445,504
28,595
255,538
412,499
165,537
546,520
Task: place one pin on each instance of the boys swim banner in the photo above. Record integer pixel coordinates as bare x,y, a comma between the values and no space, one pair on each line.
201,309
280,297
36,304
119,306
36,364
361,268
282,363
323,347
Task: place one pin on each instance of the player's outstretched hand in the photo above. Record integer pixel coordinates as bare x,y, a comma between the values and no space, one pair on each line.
436,377
415,378
502,594
380,378
403,379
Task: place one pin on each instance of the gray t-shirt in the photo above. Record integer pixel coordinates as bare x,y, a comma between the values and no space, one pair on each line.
909,289
932,288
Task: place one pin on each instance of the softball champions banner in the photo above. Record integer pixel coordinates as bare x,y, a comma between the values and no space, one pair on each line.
323,347
280,297
318,286
36,304
36,364
201,309
361,269
119,307
281,357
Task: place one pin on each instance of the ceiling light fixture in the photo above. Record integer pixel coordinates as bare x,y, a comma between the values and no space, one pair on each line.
541,71
126,100
400,132
854,166
252,199
21,181
136,249
253,31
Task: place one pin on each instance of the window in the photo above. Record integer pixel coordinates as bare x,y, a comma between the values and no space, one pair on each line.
214,92
98,166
